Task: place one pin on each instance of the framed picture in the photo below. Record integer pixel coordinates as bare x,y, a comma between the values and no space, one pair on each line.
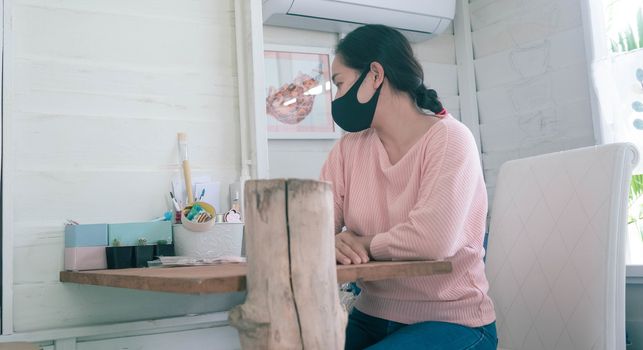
299,92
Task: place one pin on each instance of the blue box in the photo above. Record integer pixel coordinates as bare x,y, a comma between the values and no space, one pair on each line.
130,233
93,235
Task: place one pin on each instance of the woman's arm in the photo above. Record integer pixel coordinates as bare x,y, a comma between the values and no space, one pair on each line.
349,248
333,172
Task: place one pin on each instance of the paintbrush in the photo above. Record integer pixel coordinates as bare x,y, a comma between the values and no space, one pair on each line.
185,163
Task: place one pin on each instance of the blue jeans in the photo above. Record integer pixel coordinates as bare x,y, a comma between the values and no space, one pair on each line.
372,333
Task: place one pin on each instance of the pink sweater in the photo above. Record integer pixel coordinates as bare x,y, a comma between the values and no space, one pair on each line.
431,204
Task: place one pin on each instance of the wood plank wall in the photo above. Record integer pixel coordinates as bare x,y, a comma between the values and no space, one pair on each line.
97,92
531,77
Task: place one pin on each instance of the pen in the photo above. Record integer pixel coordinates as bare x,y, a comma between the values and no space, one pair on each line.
176,204
202,193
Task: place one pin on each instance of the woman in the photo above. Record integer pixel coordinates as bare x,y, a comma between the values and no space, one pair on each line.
407,185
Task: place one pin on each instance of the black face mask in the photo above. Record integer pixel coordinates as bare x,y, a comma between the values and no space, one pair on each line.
352,115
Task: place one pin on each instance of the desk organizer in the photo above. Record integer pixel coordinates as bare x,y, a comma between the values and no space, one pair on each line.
85,247
93,235
85,258
223,239
128,234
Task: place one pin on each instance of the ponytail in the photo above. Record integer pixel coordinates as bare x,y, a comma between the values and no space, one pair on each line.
428,99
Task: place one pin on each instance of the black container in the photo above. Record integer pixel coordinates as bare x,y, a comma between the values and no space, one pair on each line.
119,257
143,254
163,250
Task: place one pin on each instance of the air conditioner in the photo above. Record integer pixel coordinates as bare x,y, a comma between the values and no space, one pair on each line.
417,19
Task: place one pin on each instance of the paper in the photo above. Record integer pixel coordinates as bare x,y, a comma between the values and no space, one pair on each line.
178,187
211,194
192,261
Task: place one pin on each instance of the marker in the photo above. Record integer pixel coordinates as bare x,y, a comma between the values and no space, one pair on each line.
176,204
166,217
71,222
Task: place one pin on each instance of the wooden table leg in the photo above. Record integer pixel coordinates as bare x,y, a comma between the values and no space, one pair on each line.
293,298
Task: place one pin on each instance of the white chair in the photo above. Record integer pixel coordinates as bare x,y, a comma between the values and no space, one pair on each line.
556,254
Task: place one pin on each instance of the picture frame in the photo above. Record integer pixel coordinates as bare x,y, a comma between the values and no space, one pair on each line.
299,93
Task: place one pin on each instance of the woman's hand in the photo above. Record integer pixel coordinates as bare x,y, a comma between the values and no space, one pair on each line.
351,248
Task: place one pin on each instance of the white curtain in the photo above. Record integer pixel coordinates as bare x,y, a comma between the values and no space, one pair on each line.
617,83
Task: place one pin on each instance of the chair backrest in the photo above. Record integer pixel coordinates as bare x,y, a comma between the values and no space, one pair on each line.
556,255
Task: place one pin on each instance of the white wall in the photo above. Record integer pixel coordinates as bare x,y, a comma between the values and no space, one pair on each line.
532,81
95,92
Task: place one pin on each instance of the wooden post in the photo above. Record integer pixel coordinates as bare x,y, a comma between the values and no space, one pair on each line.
293,298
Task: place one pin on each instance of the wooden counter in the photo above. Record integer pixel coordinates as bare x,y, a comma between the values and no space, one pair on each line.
232,277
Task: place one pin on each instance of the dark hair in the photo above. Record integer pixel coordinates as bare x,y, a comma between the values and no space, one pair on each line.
383,44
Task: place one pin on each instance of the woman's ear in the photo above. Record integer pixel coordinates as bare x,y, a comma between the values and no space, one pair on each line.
378,74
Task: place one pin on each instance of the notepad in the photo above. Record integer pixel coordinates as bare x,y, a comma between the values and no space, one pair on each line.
192,261
212,190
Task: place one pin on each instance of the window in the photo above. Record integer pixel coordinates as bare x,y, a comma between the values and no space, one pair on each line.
616,31
635,221
624,22
624,25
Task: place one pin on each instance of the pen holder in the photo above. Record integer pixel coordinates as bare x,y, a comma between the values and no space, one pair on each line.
222,239
194,225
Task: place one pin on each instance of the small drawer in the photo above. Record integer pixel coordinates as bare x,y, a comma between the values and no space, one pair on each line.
92,235
85,258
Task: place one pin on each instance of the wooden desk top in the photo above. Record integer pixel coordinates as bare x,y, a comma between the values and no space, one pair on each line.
232,277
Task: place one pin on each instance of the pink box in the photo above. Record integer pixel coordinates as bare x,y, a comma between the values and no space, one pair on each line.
85,258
